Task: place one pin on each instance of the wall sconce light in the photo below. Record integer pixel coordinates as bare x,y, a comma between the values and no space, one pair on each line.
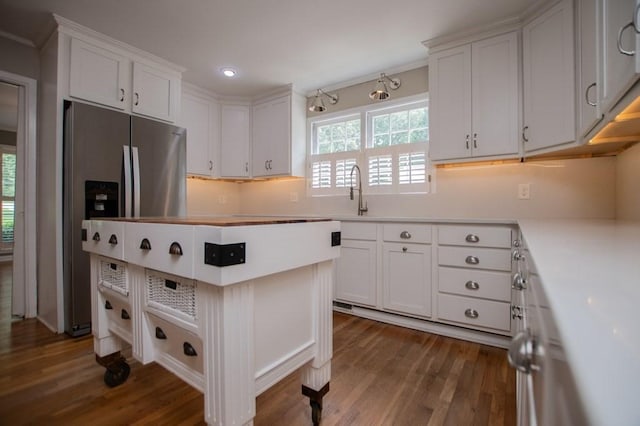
380,92
317,105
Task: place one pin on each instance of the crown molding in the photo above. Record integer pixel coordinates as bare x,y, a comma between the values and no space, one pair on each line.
17,39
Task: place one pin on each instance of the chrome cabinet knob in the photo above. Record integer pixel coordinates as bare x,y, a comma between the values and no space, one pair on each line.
472,285
516,243
516,312
472,238
405,235
522,352
516,255
175,248
472,260
518,282
471,313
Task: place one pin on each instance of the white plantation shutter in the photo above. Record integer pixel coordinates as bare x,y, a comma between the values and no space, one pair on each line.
343,172
380,170
412,168
8,166
321,174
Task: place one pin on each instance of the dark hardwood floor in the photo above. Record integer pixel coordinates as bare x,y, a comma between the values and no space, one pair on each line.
381,375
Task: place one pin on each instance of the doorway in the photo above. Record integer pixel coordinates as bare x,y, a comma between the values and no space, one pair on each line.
18,96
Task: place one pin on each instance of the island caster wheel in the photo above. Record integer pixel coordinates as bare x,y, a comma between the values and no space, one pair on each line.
116,373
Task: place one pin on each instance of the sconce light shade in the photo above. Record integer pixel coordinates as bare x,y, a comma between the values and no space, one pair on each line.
381,92
317,105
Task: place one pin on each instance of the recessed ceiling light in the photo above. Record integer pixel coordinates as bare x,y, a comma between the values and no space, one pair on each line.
229,72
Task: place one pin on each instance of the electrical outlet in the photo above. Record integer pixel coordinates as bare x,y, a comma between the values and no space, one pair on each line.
293,197
524,191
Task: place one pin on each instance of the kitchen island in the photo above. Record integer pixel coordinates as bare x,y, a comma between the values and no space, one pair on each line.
231,305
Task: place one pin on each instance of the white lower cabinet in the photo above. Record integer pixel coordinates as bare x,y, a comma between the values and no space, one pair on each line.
407,278
454,279
356,273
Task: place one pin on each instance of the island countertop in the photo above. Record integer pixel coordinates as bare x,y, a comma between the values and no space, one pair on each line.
219,220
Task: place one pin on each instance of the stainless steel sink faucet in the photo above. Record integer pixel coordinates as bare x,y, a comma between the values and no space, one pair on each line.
361,210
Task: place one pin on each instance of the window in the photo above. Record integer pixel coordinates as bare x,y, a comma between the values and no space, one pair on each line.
389,143
8,169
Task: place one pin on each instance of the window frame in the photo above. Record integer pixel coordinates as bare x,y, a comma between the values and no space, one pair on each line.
365,114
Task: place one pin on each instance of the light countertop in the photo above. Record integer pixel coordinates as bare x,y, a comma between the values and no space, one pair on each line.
590,272
434,220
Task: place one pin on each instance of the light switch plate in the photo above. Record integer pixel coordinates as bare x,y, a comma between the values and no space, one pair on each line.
524,191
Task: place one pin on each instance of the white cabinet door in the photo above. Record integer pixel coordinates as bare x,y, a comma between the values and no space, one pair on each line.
474,99
450,103
271,143
155,92
197,115
99,75
356,272
234,140
589,68
407,278
619,68
548,72
494,115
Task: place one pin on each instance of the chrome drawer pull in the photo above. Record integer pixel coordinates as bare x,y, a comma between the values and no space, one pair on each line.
405,235
175,249
188,349
516,255
96,237
471,313
472,238
472,285
518,282
113,240
516,312
522,351
472,260
145,244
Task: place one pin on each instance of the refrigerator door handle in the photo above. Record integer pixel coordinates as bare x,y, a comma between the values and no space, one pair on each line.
136,182
126,153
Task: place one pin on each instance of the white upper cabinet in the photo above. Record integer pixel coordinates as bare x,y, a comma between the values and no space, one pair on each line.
155,92
589,66
474,100
99,75
549,78
200,118
621,44
278,136
235,139
113,77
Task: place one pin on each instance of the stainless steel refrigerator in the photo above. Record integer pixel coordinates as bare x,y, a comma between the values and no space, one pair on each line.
115,165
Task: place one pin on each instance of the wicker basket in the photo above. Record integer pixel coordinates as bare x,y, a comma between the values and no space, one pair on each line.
113,275
172,295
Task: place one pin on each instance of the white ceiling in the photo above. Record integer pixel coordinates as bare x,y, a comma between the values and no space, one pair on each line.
308,43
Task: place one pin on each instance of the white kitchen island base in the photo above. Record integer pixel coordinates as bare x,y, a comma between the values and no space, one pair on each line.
230,331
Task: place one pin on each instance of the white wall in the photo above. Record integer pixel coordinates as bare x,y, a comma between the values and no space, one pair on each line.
627,184
579,188
18,58
208,197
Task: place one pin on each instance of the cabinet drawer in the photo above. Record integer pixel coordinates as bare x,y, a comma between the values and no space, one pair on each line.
480,236
475,312
474,283
358,230
407,233
481,258
177,344
118,313
105,238
168,248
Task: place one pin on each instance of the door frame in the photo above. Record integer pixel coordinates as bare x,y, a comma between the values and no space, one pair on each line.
24,251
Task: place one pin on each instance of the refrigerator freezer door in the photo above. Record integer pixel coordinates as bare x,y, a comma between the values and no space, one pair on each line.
161,172
93,140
